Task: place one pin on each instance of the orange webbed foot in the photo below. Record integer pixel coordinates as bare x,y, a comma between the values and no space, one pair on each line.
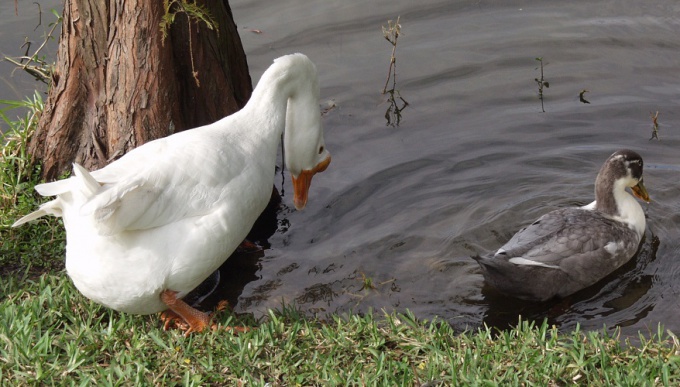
182,314
224,305
248,247
172,320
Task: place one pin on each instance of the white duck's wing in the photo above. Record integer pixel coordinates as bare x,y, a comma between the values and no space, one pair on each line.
178,181
130,204
154,185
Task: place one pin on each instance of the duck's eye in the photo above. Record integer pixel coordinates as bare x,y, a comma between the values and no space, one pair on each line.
321,149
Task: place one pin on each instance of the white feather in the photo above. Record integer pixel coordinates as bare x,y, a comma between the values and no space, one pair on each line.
614,247
528,262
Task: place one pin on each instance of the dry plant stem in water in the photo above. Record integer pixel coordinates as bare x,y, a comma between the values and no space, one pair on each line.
541,84
655,125
391,34
33,64
393,113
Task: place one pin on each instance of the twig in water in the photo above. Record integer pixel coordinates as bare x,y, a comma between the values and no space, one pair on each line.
391,34
32,64
655,125
541,83
393,113
330,105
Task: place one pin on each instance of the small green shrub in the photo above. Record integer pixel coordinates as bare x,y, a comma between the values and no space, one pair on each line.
40,247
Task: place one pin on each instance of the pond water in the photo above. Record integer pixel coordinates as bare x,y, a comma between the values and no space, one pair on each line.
474,157
23,29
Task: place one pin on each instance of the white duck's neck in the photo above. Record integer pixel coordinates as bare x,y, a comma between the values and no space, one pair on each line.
267,106
280,86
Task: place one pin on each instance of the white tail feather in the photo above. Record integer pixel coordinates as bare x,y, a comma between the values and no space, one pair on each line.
50,208
54,188
87,184
90,186
32,216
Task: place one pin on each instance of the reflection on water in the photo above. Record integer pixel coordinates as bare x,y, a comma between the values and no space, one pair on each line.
393,112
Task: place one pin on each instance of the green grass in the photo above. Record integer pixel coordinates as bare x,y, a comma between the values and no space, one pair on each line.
40,247
51,335
17,170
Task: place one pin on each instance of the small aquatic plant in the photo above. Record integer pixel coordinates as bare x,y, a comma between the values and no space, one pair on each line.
36,64
367,282
391,34
393,112
541,83
655,125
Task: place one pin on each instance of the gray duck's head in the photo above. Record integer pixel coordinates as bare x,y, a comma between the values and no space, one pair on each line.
622,169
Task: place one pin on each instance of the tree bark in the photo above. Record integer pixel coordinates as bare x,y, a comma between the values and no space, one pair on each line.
117,84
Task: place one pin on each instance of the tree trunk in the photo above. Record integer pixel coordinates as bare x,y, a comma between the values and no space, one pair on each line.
117,84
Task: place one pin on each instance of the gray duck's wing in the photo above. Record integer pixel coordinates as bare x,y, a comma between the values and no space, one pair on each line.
572,239
534,233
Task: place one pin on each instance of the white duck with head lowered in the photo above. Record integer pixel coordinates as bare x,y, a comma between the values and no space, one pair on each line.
148,228
569,249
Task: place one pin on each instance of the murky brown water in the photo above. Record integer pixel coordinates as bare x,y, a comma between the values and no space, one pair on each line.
473,159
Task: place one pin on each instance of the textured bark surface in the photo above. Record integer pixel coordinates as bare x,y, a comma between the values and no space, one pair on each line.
117,84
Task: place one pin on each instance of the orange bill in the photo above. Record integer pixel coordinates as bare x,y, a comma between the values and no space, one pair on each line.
641,192
304,180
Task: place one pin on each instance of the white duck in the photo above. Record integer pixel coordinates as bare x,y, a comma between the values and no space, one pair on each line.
145,230
569,249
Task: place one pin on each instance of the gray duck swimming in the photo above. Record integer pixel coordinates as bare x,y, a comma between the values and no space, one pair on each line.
569,249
